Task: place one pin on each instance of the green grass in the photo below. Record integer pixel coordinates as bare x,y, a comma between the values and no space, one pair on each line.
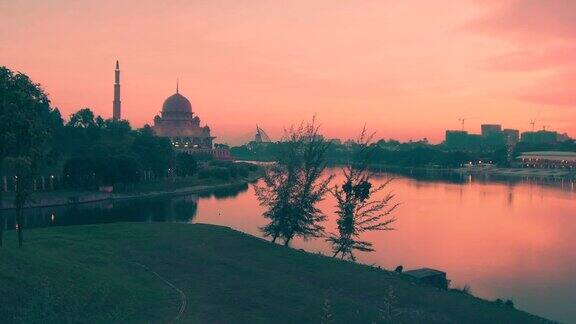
91,274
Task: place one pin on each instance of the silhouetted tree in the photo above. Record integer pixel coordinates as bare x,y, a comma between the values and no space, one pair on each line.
80,172
293,187
84,118
96,150
120,168
357,211
186,165
154,153
26,124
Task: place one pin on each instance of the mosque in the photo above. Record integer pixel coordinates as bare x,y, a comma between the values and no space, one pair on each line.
179,123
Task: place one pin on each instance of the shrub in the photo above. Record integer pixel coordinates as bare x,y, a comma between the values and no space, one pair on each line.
220,163
186,164
466,289
215,173
239,170
509,303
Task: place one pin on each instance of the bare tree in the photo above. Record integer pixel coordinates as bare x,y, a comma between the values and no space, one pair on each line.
357,210
293,186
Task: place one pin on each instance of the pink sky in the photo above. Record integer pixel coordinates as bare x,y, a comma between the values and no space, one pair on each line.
408,69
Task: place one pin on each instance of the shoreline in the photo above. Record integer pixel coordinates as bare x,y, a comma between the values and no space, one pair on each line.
500,172
64,199
550,174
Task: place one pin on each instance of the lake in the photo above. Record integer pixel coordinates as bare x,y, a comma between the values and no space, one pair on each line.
505,239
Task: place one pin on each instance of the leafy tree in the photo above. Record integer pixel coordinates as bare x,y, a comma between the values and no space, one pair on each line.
80,134
357,211
26,124
113,169
116,129
215,172
106,152
293,187
83,118
80,172
154,153
186,165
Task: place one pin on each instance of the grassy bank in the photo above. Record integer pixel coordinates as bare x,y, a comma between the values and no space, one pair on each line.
139,272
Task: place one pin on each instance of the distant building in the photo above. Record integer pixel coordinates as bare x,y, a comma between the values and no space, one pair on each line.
563,137
258,137
548,160
474,142
490,129
461,140
511,136
456,139
261,136
541,136
261,139
492,135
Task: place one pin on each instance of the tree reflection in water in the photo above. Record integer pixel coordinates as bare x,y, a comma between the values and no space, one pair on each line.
159,209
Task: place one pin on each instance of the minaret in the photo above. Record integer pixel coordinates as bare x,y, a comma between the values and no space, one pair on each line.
116,112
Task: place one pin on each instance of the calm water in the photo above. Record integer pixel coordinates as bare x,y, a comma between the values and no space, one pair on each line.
506,240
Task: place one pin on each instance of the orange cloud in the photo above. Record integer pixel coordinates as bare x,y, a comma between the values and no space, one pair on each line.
532,21
542,34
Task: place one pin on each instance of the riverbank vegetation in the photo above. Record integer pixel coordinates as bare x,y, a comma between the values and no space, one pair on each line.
119,273
417,154
413,154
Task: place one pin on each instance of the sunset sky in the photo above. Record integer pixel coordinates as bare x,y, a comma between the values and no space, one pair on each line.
408,69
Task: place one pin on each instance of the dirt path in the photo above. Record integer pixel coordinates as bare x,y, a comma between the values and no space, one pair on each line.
183,298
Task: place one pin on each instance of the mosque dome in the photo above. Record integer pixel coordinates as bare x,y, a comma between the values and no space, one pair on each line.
177,103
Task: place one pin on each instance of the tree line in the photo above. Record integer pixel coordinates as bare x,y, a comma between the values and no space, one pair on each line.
393,153
408,154
293,186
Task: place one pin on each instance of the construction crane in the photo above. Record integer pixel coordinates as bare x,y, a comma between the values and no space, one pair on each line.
261,136
462,120
532,122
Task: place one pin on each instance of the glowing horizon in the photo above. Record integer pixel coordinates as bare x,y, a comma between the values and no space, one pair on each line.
408,70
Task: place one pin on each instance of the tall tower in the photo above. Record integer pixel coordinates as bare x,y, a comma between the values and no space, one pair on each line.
116,112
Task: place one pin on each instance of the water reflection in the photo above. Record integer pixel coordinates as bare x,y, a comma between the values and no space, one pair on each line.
163,209
506,239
